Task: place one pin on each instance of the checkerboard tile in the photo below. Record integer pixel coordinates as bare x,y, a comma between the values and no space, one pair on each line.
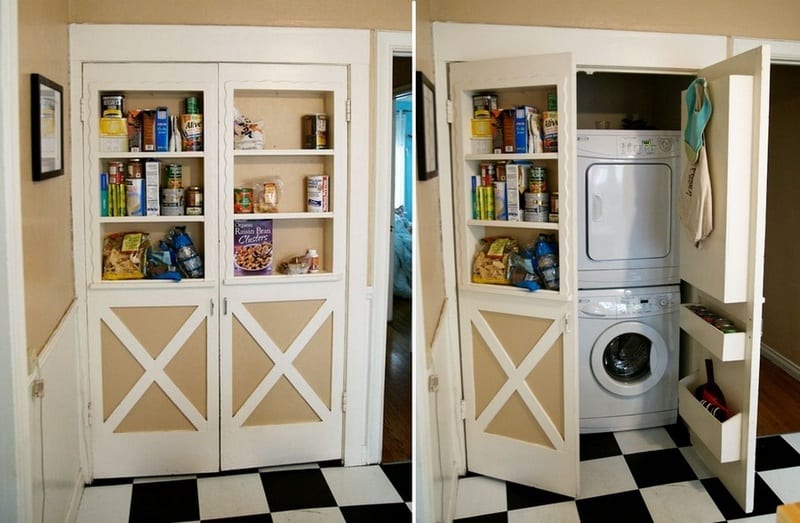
647,475
315,493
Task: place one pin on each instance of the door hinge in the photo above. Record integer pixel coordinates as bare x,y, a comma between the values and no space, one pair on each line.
84,109
449,107
347,109
89,413
433,383
462,409
344,401
224,306
567,326
212,307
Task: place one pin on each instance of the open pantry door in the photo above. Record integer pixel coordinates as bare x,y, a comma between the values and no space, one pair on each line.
518,349
725,272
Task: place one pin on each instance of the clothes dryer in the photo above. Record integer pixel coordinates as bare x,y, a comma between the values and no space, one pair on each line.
627,208
628,357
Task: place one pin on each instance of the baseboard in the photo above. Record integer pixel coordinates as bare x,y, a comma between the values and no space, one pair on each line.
788,366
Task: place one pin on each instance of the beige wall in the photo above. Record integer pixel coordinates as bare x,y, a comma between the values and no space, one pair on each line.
776,19
428,226
46,252
782,253
357,14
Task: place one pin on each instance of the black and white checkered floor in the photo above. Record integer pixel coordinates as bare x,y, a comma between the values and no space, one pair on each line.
306,493
640,476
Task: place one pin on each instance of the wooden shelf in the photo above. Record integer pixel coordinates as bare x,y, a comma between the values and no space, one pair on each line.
511,157
151,154
514,225
283,152
144,283
511,290
153,219
283,216
279,278
722,439
725,346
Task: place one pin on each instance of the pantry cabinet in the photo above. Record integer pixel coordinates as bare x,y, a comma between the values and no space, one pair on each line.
518,355
243,366
282,377
153,344
518,347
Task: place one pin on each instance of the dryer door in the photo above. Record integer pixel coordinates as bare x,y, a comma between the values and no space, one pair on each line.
628,211
629,358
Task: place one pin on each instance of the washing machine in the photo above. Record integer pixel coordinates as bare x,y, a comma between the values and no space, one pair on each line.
627,208
628,357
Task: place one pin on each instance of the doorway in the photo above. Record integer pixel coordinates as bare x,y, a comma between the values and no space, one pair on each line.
778,411
397,389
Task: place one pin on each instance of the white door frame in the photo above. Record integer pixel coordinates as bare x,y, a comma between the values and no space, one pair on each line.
16,489
388,44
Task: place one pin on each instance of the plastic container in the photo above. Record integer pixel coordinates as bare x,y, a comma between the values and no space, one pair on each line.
313,260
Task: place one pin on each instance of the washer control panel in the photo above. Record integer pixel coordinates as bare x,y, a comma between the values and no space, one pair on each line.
625,303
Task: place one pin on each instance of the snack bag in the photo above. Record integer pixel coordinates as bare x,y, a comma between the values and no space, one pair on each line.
188,259
491,262
161,265
124,255
247,134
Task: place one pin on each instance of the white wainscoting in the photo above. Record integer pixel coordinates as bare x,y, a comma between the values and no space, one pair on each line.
55,427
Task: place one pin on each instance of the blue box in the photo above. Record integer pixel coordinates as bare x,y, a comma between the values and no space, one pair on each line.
521,129
162,129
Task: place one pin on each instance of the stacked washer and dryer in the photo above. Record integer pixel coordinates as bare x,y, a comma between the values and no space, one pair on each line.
628,278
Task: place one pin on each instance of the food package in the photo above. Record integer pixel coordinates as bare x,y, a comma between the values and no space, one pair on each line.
162,265
247,134
124,255
491,262
267,195
184,252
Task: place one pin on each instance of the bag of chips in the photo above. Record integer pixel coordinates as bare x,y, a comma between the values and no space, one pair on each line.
124,255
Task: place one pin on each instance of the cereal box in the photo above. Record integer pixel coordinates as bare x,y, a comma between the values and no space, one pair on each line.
252,247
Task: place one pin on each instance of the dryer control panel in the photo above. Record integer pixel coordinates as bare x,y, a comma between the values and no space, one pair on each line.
627,303
619,144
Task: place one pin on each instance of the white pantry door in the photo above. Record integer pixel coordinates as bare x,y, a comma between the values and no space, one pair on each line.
518,348
725,273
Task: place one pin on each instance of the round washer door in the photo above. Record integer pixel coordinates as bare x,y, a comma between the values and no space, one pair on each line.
629,358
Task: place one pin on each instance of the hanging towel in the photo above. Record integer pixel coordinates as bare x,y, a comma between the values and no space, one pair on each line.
695,199
695,206
698,106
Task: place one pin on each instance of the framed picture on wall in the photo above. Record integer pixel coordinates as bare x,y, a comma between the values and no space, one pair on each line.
47,128
425,109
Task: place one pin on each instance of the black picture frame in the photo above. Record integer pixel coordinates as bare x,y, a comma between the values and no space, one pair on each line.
427,164
47,128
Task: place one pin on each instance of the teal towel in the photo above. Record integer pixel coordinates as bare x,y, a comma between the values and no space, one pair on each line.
699,112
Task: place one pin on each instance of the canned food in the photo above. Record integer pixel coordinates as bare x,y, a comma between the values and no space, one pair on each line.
194,201
112,105
554,203
135,169
317,192
535,216
537,180
192,105
315,131
537,201
172,202
174,176
243,200
116,172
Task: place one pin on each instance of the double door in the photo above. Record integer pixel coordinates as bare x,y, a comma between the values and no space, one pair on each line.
519,350
243,366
